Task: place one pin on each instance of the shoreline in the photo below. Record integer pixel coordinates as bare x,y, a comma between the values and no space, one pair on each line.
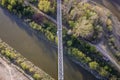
17,65
52,43
43,37
94,73
5,62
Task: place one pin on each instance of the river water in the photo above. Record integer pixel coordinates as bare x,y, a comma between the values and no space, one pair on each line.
39,51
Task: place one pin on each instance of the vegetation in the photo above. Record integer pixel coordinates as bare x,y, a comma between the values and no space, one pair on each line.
87,26
84,22
19,60
17,7
93,65
44,5
90,55
37,76
48,6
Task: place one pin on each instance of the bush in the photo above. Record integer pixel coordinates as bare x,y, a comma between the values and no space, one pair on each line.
94,65
103,72
69,43
37,76
24,66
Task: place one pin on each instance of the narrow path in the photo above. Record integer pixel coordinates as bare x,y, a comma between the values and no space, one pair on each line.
35,8
106,53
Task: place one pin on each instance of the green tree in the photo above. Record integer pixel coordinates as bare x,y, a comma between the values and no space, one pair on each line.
36,76
24,66
72,24
94,65
12,2
88,59
103,72
9,7
44,5
69,43
4,2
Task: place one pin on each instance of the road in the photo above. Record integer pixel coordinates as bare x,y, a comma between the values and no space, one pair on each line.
106,53
98,47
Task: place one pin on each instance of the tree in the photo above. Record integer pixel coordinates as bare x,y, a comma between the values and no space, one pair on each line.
24,66
109,22
88,59
44,5
72,24
3,2
83,28
110,28
69,43
12,2
36,76
81,55
103,72
9,7
93,65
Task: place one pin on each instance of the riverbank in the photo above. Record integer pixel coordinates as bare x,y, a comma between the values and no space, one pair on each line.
17,59
36,49
10,71
103,64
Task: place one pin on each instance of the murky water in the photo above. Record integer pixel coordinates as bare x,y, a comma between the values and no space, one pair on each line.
38,51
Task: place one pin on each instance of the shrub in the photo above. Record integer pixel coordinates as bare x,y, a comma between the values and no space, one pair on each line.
37,76
24,66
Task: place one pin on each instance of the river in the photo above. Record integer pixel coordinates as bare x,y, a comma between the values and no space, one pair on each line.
17,34
39,51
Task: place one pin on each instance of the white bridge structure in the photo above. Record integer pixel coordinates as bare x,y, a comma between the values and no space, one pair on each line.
60,42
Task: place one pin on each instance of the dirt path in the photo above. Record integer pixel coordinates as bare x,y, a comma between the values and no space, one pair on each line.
9,72
103,49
